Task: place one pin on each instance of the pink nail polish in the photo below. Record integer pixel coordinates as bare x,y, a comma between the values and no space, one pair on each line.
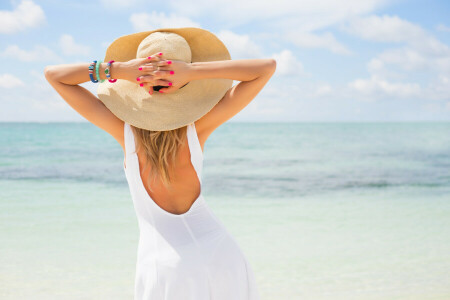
160,91
160,53
170,83
149,57
169,62
172,72
141,84
140,68
138,79
150,92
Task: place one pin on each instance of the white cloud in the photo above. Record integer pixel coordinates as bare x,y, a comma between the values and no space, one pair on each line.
44,97
383,29
37,54
323,89
277,21
442,27
378,86
375,87
439,88
288,64
267,105
325,40
240,46
35,101
447,106
395,30
306,15
69,47
410,59
121,4
154,20
9,81
26,15
294,21
421,54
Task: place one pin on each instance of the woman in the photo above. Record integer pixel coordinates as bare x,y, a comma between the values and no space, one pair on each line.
184,250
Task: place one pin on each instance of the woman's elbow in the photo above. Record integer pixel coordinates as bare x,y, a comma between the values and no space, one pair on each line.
49,73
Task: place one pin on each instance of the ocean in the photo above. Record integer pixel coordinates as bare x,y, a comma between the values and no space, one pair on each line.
321,210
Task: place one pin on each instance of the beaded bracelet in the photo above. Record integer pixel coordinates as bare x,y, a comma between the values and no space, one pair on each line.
91,71
108,73
97,65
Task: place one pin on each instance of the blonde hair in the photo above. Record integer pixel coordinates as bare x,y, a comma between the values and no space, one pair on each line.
160,149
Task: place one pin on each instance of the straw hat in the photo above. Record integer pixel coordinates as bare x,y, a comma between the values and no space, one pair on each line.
159,112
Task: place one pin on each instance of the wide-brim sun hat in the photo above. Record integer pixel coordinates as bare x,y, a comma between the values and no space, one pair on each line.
161,112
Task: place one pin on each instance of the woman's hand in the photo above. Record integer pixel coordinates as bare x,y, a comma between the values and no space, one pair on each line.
155,73
172,75
132,71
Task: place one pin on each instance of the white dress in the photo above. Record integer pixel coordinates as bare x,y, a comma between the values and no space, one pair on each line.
188,256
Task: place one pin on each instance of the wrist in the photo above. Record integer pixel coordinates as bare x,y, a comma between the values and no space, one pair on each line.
194,70
115,70
101,71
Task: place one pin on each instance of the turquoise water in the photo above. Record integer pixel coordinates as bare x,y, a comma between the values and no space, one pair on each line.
322,211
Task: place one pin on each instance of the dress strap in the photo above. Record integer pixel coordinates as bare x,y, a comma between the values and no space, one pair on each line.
130,144
195,150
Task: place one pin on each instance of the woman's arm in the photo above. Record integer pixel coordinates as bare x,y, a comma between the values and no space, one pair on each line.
65,79
253,75
241,69
74,74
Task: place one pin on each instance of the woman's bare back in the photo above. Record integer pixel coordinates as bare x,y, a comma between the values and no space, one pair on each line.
186,187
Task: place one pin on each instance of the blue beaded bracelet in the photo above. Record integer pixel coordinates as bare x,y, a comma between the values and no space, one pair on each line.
97,65
91,71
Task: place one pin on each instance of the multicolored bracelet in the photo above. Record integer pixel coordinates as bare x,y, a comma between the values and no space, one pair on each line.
97,66
91,71
108,72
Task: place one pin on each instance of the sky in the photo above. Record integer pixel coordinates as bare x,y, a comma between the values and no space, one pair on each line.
337,61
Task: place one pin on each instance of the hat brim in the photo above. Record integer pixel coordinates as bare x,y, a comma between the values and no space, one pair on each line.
161,112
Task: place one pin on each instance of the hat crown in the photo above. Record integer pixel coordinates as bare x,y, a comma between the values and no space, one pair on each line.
172,45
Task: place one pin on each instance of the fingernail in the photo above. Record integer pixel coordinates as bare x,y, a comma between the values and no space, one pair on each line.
170,83
160,53
141,84
140,68
169,62
149,57
150,92
172,72
160,91
138,79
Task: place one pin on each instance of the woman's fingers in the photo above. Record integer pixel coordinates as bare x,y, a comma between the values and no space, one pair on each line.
154,62
150,84
157,75
167,90
153,71
155,83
